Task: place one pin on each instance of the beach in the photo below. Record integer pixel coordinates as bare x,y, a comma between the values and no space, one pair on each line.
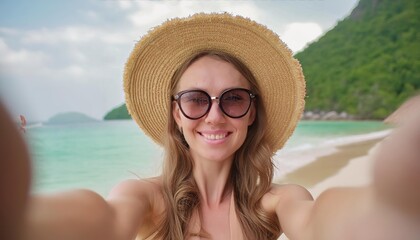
345,164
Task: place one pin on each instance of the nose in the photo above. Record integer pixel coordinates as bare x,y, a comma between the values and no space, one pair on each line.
215,114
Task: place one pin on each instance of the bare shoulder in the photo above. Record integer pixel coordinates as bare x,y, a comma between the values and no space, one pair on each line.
290,190
281,194
147,191
291,204
137,187
137,204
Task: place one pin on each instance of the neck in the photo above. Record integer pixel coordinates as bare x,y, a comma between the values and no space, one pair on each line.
212,179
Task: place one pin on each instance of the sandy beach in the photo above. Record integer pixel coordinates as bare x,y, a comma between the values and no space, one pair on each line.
343,164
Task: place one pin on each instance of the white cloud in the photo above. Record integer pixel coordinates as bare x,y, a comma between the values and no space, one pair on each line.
246,9
125,4
76,55
21,60
114,37
151,13
90,15
73,35
55,36
74,71
26,65
298,35
54,67
8,31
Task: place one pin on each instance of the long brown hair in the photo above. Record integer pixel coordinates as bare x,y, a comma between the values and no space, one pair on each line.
251,173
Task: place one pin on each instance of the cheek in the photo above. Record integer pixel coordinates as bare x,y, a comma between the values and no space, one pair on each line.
188,126
242,128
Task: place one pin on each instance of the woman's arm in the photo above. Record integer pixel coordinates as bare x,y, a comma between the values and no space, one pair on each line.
83,214
387,209
14,177
79,214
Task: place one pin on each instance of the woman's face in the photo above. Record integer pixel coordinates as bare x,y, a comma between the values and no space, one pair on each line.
215,136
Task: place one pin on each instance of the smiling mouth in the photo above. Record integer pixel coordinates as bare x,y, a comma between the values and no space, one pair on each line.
214,136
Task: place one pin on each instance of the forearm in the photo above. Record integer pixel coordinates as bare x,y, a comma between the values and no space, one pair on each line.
387,209
79,214
337,212
397,178
359,213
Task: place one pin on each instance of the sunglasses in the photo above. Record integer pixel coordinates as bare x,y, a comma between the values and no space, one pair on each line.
234,102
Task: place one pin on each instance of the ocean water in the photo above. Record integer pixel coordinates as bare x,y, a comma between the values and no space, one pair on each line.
99,155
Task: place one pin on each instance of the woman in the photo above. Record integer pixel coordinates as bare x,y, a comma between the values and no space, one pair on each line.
221,125
221,94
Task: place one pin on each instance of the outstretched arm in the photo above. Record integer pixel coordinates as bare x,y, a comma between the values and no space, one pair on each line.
83,214
397,167
79,214
14,177
389,208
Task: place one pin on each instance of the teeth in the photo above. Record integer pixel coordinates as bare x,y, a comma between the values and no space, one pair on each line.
214,136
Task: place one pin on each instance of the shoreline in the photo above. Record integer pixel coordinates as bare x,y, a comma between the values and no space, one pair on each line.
340,163
345,164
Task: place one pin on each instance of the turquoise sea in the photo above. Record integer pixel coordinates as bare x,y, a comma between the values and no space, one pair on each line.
98,155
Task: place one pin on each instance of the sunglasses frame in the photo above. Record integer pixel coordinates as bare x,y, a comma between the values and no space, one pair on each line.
178,96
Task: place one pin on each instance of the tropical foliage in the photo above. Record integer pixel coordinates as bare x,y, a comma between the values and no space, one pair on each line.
369,63
118,113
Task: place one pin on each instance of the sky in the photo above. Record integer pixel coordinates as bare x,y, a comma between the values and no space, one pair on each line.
68,56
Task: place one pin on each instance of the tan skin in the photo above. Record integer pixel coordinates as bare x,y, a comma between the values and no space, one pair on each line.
14,177
379,211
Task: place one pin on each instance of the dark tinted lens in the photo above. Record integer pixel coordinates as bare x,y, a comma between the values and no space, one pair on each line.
235,103
194,104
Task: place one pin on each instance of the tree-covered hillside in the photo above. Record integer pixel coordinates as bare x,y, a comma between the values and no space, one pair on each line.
369,63
120,112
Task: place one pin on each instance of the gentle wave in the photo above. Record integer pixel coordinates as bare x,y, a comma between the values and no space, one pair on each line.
288,160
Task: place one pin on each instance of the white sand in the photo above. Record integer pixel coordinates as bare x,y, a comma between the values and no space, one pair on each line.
358,171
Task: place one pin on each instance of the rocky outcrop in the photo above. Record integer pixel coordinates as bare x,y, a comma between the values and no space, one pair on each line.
324,115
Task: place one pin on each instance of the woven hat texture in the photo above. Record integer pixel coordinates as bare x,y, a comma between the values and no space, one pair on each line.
163,49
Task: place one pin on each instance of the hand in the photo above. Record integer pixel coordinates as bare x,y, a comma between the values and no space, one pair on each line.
397,167
389,208
396,184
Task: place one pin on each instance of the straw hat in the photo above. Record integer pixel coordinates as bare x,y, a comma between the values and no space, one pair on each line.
159,53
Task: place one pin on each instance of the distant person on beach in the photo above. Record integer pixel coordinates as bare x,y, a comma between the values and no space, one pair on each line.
22,123
222,94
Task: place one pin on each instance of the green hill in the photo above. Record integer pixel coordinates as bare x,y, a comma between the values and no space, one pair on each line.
118,113
369,63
